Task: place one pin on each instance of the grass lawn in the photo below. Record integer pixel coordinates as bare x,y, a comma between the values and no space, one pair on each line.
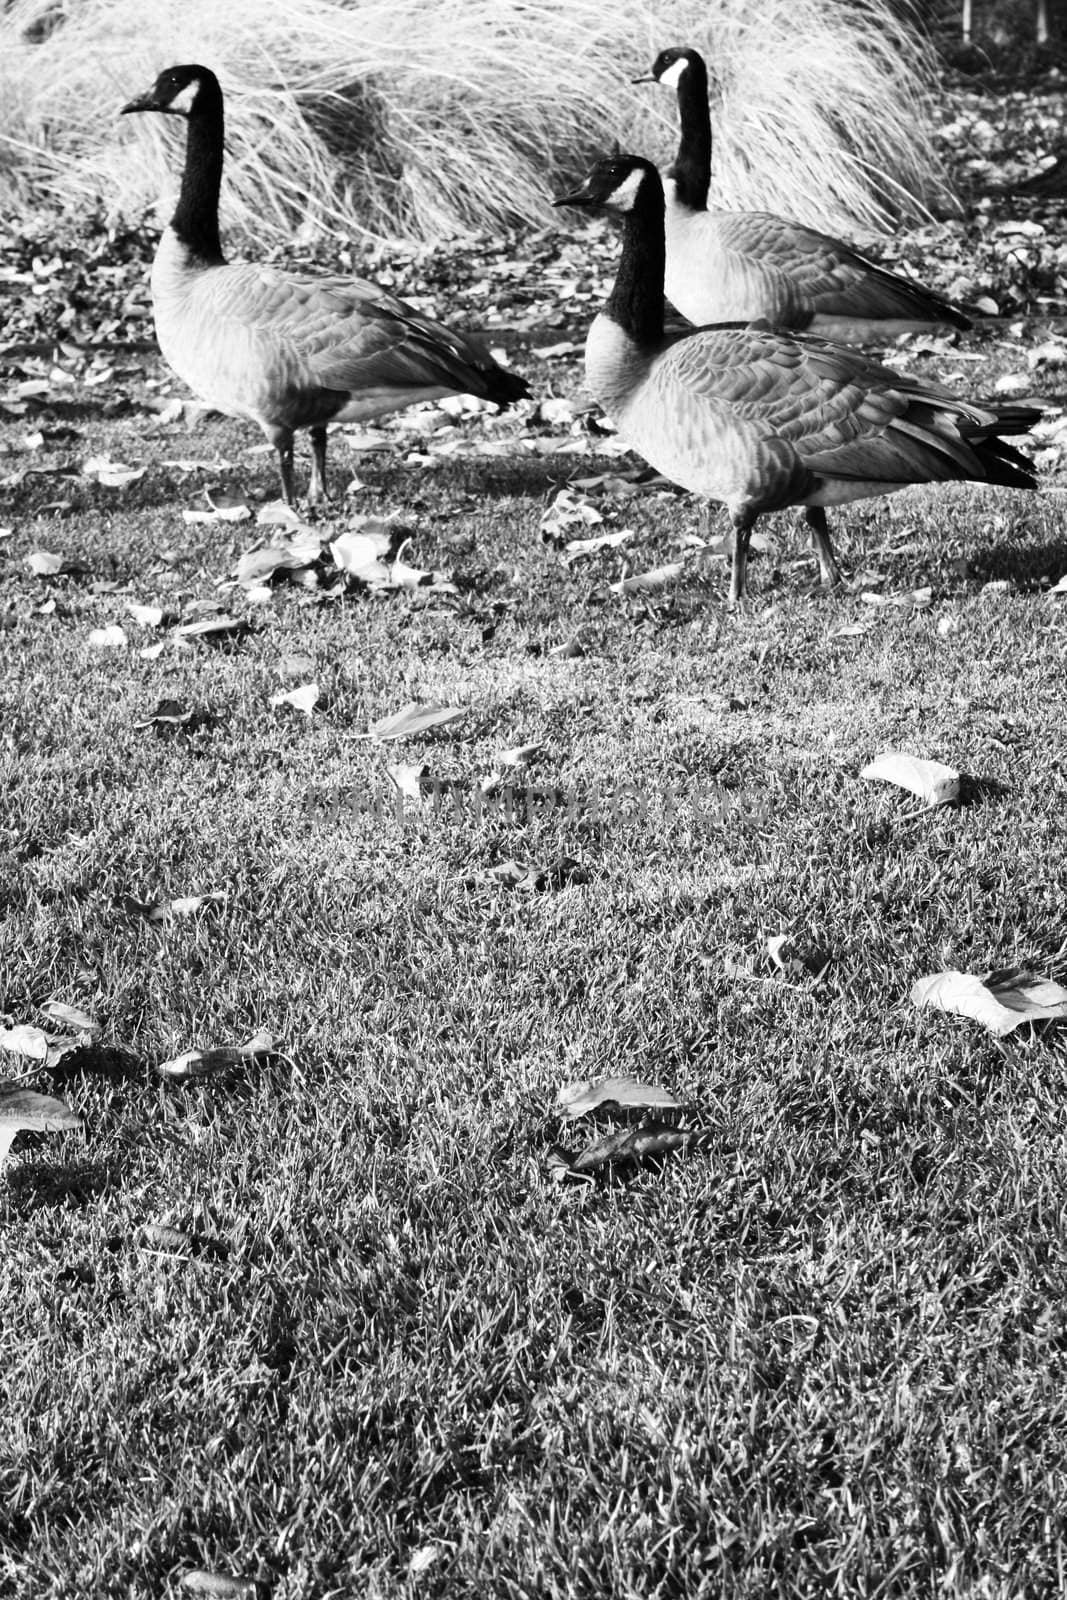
324,1321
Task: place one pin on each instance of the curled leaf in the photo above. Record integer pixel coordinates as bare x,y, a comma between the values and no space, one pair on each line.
933,782
579,1098
1001,1001
305,698
651,1138
207,1063
222,1585
25,1040
59,1012
110,638
23,1108
643,582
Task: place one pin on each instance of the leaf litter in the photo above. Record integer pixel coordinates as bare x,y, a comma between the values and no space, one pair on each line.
642,1136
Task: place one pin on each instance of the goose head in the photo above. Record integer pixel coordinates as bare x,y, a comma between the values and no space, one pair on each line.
615,182
670,66
177,91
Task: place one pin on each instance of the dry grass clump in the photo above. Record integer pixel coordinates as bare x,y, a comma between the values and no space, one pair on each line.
416,118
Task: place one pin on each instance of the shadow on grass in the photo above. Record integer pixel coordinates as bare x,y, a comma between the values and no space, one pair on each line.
1024,565
975,791
110,1062
34,1184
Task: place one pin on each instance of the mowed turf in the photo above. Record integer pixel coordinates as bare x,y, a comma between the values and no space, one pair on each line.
824,1354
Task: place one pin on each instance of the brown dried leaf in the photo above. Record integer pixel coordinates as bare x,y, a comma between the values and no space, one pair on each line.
207,1063
635,1144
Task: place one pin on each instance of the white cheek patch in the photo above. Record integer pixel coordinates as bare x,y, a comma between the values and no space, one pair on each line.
624,197
183,100
673,75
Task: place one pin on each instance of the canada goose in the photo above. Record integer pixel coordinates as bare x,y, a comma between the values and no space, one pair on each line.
287,350
735,265
761,418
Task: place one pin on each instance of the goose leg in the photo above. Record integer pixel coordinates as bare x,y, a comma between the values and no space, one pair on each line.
317,486
829,571
283,443
743,523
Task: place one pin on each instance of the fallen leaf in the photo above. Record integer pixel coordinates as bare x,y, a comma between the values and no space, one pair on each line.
423,1558
408,778
933,783
519,755
579,1098
168,714
1001,1000
228,505
363,552
185,905
255,565
793,961
642,582
569,649
413,718
110,638
23,1108
159,910
575,549
305,698
223,1585
112,474
58,1011
25,1040
145,616
212,627
206,1063
276,514
49,563
567,511
651,1138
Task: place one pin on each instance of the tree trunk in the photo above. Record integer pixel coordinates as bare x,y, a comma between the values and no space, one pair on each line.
967,7
1042,21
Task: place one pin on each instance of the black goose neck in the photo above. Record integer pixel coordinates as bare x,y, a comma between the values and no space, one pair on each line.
636,299
196,218
692,166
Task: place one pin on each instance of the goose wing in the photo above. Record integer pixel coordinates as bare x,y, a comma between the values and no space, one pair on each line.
823,275
347,334
843,415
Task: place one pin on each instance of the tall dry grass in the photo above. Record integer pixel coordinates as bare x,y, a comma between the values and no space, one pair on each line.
416,118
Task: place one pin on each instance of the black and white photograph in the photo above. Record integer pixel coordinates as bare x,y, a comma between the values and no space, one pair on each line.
533,800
